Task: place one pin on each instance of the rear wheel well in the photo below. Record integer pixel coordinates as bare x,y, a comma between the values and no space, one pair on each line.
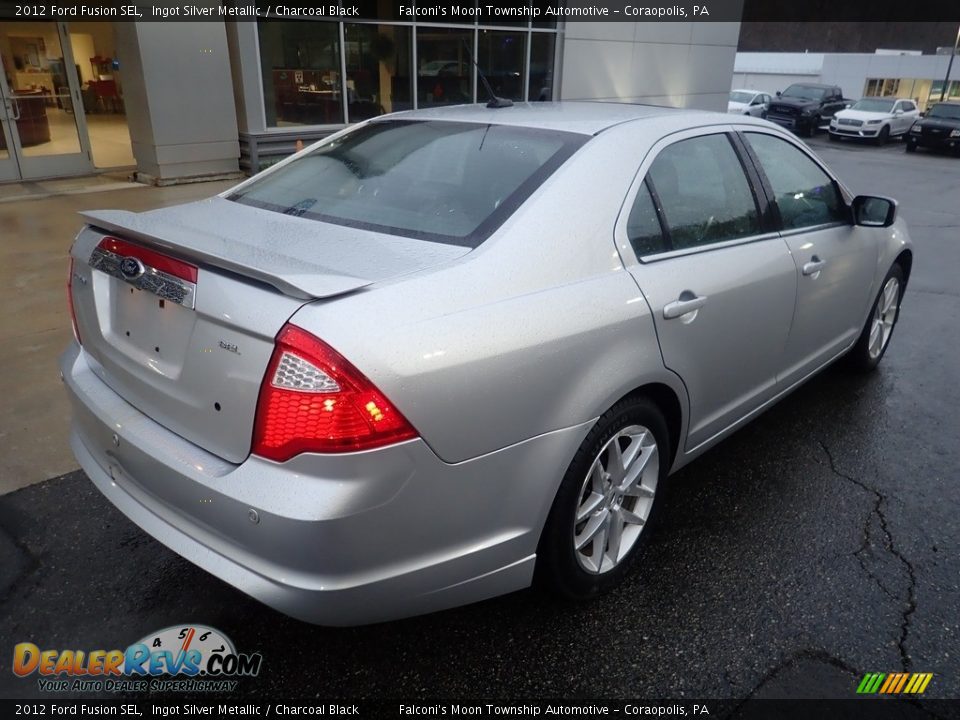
668,403
905,261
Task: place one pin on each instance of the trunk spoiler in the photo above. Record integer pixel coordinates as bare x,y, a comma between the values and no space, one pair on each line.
289,274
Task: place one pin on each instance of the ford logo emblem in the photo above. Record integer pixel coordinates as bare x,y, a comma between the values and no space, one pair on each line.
131,268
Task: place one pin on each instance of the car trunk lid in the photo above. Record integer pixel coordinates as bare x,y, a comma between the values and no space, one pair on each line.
189,347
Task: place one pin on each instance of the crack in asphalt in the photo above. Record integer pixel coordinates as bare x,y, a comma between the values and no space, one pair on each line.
888,545
790,660
31,562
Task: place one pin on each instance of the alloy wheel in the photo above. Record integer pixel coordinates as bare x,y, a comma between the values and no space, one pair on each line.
884,316
615,499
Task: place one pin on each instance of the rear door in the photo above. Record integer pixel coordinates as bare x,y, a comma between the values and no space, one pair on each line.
835,260
721,286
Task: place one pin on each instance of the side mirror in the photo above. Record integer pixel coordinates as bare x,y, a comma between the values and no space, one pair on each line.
847,106
897,113
778,93
874,211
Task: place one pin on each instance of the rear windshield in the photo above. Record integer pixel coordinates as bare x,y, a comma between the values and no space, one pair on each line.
449,182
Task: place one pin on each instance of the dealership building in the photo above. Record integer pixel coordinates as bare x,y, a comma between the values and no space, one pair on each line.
180,100
884,73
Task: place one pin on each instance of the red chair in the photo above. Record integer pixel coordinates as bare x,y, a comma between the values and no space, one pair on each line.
107,95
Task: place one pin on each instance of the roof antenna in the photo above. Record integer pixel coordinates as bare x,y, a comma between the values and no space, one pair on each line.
494,101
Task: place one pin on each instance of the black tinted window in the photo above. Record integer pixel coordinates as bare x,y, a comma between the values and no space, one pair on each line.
445,181
704,192
804,193
643,227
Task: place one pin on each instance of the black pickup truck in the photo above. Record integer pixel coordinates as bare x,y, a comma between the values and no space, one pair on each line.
805,107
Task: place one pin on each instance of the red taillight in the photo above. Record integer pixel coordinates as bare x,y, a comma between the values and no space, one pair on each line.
313,400
151,258
73,313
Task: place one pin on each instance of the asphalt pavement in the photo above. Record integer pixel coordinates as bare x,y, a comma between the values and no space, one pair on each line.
815,545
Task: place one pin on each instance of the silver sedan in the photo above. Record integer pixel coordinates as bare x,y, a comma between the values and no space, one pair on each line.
446,352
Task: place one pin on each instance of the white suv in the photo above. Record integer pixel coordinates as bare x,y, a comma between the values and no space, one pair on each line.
875,118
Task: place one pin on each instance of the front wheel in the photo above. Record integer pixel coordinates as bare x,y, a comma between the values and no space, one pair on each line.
883,135
910,146
814,125
604,508
875,337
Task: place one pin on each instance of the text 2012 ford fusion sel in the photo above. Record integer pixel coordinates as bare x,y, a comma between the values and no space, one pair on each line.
446,351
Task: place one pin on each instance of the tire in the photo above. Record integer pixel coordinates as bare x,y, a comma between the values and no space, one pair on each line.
635,427
910,146
814,124
870,348
883,135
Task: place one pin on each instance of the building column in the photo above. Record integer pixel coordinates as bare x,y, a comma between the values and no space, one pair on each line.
178,94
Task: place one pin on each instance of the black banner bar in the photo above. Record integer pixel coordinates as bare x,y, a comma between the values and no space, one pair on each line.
489,11
854,709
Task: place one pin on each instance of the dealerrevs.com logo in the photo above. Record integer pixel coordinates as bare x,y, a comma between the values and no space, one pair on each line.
181,658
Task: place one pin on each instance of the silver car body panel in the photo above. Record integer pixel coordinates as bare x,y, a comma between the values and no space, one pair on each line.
501,357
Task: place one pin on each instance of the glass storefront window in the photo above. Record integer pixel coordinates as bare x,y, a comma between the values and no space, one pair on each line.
326,72
378,70
501,57
444,68
300,64
541,66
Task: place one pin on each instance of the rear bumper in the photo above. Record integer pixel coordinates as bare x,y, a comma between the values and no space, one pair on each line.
337,539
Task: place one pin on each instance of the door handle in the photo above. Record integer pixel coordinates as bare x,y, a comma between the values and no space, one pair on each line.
15,107
814,266
687,303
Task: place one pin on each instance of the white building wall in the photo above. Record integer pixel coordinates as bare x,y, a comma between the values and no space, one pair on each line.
678,64
851,71
769,82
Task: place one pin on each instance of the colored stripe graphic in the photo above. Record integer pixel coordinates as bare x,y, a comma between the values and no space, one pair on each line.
894,683
903,681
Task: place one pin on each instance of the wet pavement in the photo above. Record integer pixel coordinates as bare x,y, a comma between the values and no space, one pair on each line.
815,545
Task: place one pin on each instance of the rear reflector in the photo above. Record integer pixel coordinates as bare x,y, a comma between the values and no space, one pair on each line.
313,400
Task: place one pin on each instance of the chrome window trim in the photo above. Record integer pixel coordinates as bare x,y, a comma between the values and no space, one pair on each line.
696,250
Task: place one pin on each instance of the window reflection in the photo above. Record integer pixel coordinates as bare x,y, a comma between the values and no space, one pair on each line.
445,71
300,62
541,66
501,58
378,70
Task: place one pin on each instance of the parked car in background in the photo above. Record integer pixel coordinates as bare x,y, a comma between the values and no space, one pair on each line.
806,107
939,129
877,119
748,102
404,370
436,68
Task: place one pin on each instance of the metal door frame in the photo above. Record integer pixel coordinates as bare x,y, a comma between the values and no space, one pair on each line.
46,166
